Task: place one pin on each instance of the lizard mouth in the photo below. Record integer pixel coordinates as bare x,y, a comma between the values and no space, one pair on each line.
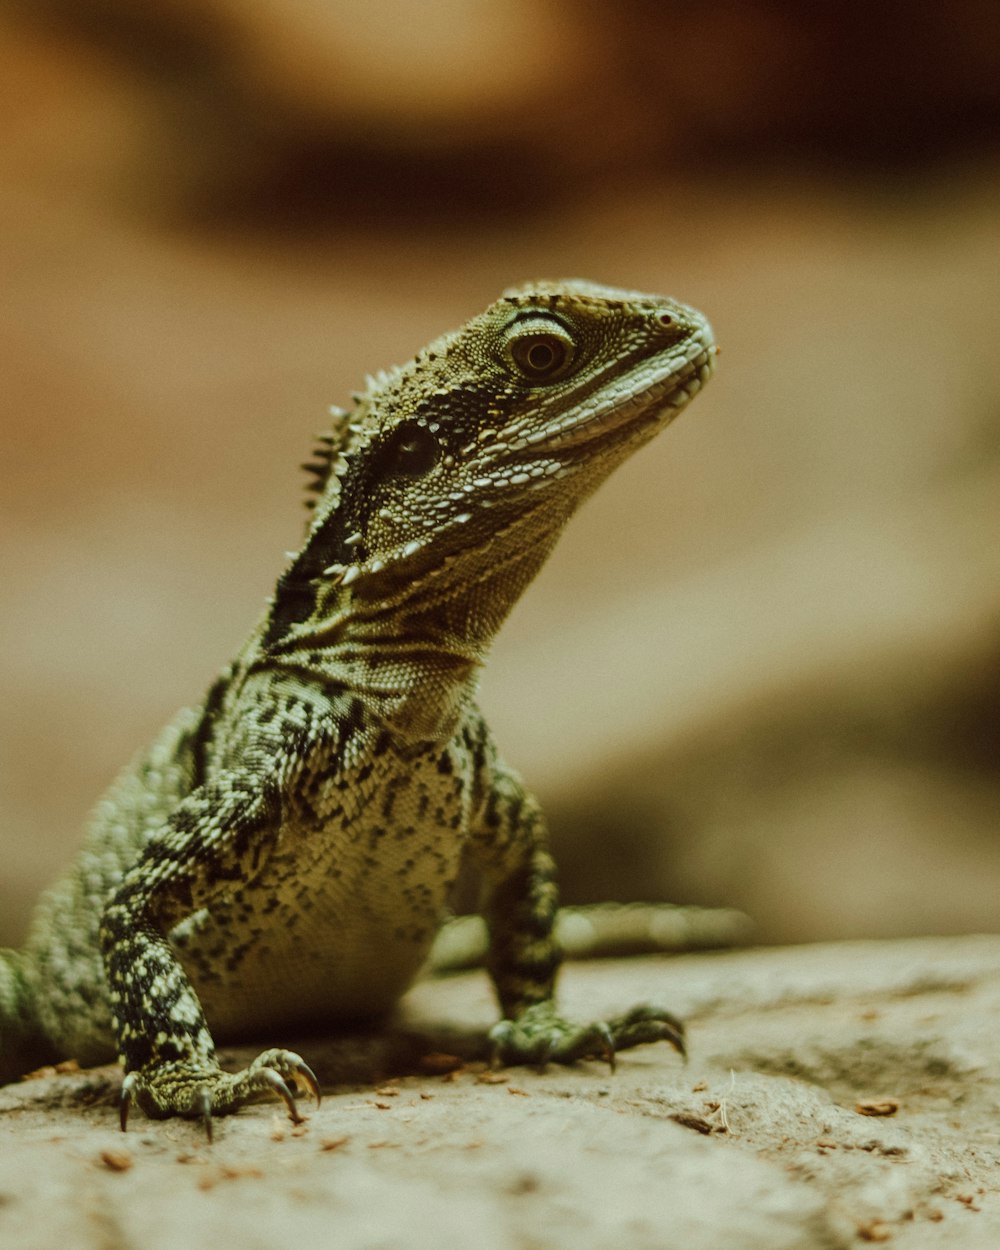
657,391
650,395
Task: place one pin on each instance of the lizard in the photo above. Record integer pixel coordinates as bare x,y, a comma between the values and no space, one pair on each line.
281,856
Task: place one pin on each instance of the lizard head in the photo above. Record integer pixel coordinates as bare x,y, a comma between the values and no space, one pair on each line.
458,470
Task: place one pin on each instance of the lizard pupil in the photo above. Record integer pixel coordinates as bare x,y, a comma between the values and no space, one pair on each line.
539,356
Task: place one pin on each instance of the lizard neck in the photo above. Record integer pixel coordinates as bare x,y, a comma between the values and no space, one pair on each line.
410,650
441,494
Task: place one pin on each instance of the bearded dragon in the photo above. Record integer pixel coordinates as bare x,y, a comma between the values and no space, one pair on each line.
281,856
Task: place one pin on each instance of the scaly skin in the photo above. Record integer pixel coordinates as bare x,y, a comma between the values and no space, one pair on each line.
282,855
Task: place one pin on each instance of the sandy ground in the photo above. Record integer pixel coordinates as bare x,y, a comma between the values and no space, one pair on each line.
761,1139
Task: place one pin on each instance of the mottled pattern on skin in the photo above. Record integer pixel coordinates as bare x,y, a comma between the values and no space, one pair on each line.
282,855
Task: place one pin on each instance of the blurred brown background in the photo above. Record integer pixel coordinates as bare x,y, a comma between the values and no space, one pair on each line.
763,667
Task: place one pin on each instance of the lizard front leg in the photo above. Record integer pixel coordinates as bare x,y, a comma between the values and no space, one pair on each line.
524,956
222,833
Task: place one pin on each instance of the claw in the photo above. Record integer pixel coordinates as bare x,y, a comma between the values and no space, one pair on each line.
280,1087
500,1036
543,1053
125,1099
305,1077
607,1050
675,1036
202,1099
647,1023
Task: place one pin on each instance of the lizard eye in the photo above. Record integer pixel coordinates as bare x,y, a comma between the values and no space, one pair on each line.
540,348
410,450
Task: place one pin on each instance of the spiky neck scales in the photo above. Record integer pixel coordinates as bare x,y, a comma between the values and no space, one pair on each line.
439,496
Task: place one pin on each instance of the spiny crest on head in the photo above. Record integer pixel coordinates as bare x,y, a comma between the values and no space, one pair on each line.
326,454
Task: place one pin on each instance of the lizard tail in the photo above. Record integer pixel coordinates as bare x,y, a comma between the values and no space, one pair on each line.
17,1030
603,931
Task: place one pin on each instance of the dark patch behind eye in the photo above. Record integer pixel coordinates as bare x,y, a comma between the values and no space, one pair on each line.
410,450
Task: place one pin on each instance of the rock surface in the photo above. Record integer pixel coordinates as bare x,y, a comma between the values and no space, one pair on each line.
835,1095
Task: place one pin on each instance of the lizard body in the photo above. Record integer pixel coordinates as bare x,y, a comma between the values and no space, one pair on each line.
281,856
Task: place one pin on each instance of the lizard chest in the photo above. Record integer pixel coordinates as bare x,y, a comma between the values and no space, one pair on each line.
342,915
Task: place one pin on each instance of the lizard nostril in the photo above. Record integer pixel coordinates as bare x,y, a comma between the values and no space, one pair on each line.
665,319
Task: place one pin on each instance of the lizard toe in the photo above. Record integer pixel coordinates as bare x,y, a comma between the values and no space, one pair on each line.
200,1091
539,1035
647,1023
289,1066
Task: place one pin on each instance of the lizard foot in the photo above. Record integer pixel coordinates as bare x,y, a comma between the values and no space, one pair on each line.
540,1036
200,1091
